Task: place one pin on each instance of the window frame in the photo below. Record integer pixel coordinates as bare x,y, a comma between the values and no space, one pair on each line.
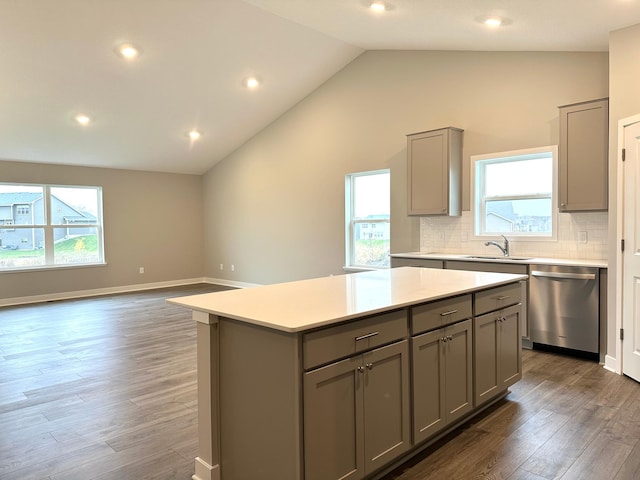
49,227
351,223
478,200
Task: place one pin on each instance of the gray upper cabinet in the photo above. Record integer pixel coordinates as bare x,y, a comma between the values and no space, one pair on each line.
582,156
434,166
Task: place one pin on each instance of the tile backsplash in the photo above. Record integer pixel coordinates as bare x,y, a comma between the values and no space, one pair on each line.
580,236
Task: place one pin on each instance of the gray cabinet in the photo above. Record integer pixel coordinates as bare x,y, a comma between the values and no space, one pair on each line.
434,168
442,378
522,269
356,414
416,262
497,341
583,156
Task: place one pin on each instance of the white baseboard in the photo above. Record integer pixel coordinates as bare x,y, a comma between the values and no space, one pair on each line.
230,283
611,364
51,297
204,471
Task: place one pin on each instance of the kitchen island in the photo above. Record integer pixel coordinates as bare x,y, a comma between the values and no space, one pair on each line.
344,376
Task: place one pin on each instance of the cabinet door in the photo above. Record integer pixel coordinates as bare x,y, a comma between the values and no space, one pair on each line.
485,337
583,156
386,404
442,378
434,163
428,384
510,367
333,428
458,377
498,352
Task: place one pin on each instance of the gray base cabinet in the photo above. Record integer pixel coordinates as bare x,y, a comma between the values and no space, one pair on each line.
497,352
349,399
356,414
442,378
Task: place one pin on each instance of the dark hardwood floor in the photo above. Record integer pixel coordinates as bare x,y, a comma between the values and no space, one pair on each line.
105,388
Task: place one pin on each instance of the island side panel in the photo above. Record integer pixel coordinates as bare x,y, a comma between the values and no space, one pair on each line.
207,462
260,403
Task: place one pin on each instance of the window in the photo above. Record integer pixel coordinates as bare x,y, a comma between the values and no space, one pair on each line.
51,225
514,193
367,225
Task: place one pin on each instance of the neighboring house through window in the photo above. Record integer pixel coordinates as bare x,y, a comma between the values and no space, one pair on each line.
367,219
515,194
50,226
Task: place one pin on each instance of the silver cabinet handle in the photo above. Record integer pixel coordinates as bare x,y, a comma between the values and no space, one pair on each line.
504,297
368,335
370,366
360,369
568,275
450,312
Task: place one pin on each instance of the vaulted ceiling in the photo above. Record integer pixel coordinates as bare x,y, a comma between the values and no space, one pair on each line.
58,59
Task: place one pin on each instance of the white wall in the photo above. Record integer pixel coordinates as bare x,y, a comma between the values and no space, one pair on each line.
624,101
275,207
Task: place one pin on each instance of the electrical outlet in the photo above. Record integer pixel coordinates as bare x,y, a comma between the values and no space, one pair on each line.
582,237
233,268
141,270
221,266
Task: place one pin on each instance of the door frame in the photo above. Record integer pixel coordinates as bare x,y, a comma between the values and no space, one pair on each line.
614,360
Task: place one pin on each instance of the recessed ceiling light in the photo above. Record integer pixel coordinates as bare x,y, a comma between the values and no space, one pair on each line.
493,21
251,82
128,51
194,134
82,119
377,6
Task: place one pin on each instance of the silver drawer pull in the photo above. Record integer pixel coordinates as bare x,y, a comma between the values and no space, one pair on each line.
504,297
368,335
450,312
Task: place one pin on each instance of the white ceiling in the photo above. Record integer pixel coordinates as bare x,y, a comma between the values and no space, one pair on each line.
57,59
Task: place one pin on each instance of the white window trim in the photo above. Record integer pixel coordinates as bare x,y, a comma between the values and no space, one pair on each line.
48,228
350,224
554,195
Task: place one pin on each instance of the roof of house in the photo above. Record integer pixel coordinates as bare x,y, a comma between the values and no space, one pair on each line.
12,198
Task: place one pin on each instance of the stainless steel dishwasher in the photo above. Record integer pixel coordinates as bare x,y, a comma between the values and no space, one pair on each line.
564,307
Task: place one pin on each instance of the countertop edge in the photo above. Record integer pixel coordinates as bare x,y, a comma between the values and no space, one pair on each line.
596,263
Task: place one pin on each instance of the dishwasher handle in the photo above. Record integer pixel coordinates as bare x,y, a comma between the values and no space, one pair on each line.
567,275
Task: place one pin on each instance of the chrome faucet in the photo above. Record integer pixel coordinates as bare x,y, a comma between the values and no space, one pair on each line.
504,249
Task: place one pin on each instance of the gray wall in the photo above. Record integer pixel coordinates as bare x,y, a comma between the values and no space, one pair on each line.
150,219
275,208
624,102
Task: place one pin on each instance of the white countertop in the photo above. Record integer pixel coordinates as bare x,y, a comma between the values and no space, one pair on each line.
524,259
306,304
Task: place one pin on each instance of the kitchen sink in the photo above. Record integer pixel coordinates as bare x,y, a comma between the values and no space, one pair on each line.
489,257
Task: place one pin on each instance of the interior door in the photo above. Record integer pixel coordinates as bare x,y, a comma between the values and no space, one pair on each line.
631,255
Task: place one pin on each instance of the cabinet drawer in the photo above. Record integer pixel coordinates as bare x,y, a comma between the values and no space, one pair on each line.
497,298
442,312
332,343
